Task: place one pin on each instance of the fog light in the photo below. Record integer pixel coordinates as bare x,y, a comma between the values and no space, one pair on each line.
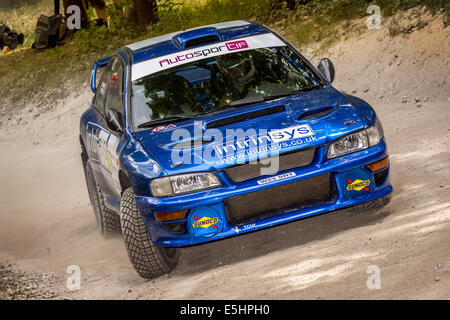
378,165
168,216
175,227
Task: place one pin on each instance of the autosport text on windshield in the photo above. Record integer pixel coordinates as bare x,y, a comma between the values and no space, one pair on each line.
230,46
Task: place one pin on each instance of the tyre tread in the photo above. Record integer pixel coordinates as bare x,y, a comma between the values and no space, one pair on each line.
141,251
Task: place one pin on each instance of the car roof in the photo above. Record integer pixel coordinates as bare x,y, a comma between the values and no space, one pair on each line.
176,41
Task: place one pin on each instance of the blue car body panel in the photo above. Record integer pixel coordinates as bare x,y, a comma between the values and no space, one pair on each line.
175,42
135,157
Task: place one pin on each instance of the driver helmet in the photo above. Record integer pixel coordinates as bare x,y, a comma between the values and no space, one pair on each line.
239,67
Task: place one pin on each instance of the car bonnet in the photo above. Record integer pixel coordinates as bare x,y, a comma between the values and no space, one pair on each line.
243,134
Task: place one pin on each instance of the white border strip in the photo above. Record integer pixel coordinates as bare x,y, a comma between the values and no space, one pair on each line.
145,68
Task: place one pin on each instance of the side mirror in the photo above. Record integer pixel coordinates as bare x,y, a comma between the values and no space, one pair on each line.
114,120
327,68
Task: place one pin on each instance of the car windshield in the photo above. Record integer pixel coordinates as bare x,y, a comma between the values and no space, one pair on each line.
205,85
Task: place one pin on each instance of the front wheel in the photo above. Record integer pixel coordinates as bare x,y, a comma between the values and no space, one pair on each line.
149,260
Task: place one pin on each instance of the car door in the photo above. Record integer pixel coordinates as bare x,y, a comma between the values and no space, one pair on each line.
98,133
95,126
113,141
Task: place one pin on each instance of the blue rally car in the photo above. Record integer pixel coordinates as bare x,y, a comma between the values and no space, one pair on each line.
216,131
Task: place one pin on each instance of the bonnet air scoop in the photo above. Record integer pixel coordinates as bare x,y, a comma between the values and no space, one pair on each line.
316,113
197,37
245,116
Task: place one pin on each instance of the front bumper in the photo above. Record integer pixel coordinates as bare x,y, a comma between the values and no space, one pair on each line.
337,168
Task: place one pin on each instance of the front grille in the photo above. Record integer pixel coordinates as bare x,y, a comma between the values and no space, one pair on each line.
287,161
268,202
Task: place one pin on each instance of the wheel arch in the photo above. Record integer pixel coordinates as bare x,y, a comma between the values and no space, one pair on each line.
125,182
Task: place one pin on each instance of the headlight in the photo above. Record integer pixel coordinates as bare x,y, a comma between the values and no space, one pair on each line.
356,141
348,144
183,183
375,133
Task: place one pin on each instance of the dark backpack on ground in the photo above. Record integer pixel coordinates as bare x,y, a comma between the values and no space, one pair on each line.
9,38
48,31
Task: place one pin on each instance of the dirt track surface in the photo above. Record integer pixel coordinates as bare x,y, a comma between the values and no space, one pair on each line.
46,221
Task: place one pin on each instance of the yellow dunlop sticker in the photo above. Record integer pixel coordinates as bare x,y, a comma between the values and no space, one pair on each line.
205,222
358,185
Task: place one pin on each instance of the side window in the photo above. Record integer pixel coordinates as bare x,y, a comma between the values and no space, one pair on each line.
114,98
102,87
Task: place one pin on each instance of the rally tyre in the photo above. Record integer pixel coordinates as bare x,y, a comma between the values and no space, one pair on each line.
108,222
372,205
150,261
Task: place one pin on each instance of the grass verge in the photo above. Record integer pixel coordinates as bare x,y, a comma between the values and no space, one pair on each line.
27,72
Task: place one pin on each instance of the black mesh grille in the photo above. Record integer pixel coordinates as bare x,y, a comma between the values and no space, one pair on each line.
175,227
287,161
380,176
268,202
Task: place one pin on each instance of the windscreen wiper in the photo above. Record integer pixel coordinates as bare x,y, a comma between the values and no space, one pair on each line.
238,103
281,95
170,119
254,99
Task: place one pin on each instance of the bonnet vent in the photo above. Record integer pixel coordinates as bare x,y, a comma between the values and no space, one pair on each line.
199,41
316,113
245,116
187,144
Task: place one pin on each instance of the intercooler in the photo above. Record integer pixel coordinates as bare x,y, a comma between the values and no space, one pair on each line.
287,161
271,201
